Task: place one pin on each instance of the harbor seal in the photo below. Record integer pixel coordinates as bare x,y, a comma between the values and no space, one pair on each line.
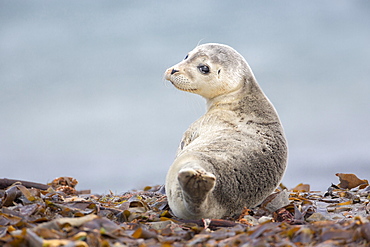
235,155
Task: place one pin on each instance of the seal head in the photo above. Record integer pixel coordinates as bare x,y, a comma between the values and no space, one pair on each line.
207,71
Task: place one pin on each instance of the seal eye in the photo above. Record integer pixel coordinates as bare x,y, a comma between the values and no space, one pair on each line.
204,69
186,57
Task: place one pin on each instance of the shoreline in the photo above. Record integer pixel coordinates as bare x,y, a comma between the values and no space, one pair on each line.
60,215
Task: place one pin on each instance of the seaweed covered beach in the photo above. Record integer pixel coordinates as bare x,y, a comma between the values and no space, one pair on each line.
57,214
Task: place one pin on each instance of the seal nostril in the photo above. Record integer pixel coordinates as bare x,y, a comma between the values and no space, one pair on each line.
174,71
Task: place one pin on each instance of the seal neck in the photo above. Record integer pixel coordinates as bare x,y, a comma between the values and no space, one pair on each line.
225,101
233,99
246,100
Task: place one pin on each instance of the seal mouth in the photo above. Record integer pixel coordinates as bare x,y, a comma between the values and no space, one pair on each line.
192,90
169,75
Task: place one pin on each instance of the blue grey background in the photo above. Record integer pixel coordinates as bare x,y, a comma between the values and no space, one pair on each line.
82,91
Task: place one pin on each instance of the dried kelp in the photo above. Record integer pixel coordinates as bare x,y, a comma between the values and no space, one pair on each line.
59,215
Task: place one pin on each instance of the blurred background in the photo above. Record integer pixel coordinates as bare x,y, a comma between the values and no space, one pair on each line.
82,92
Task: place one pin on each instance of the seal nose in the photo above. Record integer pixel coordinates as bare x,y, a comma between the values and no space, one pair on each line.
173,71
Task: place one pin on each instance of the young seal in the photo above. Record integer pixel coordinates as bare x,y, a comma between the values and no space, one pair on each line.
235,155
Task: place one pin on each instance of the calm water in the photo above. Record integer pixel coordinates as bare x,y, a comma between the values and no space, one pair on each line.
82,91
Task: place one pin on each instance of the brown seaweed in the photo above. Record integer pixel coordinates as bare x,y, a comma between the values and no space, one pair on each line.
59,215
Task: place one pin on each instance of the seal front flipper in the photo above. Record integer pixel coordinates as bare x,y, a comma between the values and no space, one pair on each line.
196,185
